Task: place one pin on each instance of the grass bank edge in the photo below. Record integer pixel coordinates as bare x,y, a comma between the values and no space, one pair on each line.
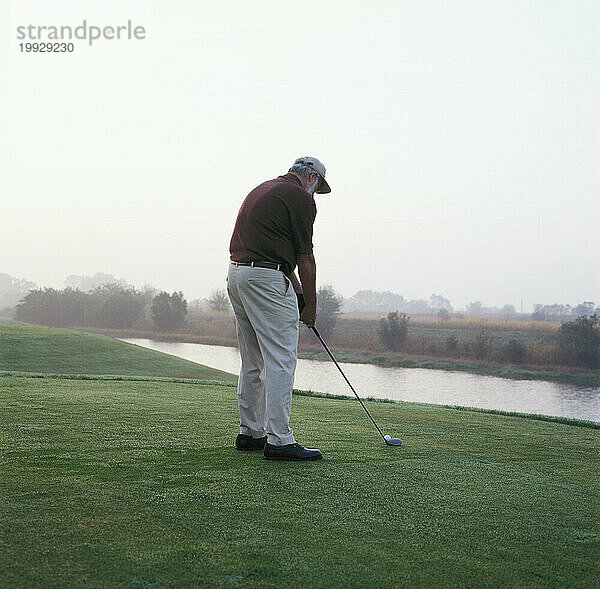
511,372
500,412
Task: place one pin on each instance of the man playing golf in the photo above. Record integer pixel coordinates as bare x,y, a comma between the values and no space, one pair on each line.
272,235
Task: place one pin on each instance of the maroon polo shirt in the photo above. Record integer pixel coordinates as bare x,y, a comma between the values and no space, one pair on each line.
275,223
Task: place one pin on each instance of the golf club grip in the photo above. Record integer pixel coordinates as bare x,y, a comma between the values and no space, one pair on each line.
346,379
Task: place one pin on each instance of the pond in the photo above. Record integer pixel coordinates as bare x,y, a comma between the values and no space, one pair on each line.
412,384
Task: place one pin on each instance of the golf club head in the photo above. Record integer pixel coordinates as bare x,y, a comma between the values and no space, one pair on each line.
393,441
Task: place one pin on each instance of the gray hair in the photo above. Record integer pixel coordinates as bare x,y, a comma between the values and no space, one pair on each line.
302,170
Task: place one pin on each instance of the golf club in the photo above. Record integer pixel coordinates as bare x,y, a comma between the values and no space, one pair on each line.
387,439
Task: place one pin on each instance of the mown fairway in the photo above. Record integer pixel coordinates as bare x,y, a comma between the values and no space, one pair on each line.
135,483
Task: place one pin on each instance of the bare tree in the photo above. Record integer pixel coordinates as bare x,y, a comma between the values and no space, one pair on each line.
218,300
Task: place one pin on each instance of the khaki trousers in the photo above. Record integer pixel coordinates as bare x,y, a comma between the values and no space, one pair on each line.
266,318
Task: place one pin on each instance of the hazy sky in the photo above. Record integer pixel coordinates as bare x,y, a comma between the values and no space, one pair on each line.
461,141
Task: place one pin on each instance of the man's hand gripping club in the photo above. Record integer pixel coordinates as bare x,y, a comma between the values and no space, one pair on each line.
306,289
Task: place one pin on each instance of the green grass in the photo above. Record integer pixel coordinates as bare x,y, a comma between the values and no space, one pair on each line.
135,483
132,481
35,348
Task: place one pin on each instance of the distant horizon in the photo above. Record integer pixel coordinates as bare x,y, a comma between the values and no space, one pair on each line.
190,298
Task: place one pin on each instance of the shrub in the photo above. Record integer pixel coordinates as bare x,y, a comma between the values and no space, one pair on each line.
579,341
169,311
393,330
451,343
515,351
482,345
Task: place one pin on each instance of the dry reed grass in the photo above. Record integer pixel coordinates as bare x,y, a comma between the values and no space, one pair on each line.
427,336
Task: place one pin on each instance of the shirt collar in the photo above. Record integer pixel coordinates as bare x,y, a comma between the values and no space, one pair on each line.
292,178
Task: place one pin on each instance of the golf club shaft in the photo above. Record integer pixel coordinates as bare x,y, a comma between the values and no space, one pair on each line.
346,379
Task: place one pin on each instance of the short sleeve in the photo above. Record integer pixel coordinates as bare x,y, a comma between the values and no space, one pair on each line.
302,217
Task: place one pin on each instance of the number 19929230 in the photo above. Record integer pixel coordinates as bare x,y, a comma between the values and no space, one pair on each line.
46,47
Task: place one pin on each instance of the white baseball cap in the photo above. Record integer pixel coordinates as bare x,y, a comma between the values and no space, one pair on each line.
319,168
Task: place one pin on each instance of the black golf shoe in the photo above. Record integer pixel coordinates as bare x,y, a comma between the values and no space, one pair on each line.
247,443
291,452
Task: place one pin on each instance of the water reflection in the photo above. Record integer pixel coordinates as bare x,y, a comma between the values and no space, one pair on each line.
412,384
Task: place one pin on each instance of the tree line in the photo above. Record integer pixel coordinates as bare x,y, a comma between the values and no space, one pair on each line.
12,290
112,306
116,306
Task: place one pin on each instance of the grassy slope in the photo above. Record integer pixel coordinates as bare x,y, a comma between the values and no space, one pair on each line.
110,483
25,347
